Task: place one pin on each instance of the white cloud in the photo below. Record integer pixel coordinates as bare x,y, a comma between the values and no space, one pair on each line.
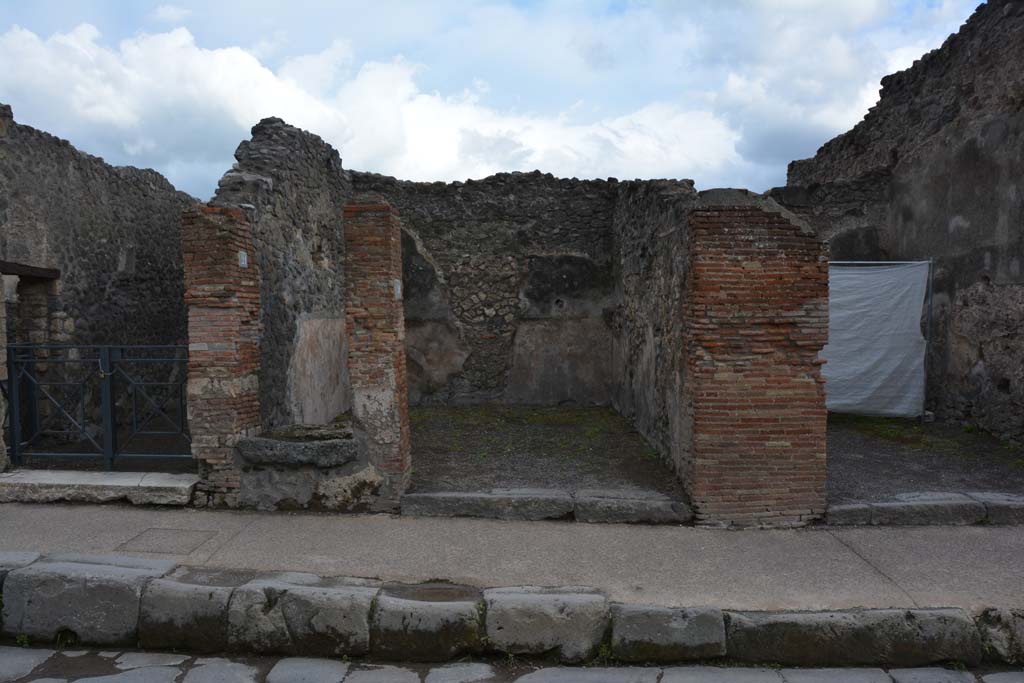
725,93
378,117
318,73
171,14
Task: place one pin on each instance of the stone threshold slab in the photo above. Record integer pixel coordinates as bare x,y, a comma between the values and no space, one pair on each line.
623,506
110,601
928,508
72,486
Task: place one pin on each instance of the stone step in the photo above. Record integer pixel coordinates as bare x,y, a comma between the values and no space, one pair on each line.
932,508
625,506
72,486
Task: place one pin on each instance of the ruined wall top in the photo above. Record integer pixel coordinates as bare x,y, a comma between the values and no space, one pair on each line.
291,185
978,70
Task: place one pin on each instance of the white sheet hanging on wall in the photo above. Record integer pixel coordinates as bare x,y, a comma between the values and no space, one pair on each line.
875,349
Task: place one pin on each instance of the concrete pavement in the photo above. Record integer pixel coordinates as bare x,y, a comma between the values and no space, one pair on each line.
810,569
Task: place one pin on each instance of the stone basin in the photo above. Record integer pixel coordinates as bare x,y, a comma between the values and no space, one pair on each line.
322,446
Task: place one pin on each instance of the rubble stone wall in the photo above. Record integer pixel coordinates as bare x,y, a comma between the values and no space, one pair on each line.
112,232
943,152
651,264
508,284
290,184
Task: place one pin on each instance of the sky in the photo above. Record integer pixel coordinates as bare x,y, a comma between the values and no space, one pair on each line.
725,92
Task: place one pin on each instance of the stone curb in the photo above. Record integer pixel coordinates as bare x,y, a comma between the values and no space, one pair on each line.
114,600
586,505
932,508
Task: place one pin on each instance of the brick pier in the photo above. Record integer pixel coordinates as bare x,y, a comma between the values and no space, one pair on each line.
223,300
375,321
756,318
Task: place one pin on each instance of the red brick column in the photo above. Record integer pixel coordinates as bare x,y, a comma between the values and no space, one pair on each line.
757,317
223,300
375,321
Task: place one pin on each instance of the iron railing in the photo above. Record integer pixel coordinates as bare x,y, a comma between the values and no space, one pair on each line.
100,402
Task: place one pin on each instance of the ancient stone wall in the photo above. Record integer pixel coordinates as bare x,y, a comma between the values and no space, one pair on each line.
755,318
944,151
852,215
291,186
508,282
112,232
651,263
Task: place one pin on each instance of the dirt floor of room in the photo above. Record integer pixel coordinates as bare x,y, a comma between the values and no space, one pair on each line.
477,448
873,459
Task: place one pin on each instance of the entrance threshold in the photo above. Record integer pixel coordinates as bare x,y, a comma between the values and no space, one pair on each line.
73,486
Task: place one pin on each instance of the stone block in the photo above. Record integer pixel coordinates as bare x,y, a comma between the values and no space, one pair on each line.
521,504
97,598
623,674
188,610
408,628
463,672
835,676
854,514
47,486
9,561
139,660
1001,508
302,670
568,623
629,507
17,662
1004,677
301,614
884,637
642,633
146,674
286,489
288,453
215,670
1002,634
914,509
712,674
931,675
161,488
382,674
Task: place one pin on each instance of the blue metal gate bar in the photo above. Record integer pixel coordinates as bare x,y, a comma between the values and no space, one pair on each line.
123,377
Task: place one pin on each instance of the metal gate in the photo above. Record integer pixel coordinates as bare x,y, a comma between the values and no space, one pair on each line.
96,402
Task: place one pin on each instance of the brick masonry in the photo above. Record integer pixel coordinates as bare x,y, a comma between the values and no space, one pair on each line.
375,323
223,301
756,316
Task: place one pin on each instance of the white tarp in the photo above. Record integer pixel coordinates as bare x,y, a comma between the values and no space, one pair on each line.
875,349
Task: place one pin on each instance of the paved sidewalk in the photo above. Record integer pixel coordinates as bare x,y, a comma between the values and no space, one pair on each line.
811,569
116,666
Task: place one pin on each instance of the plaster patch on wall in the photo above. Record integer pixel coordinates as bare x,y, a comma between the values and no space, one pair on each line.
559,361
318,383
